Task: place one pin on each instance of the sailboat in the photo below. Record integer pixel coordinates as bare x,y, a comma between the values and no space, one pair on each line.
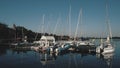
81,42
106,47
23,39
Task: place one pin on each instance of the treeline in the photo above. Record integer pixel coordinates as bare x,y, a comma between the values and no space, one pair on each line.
5,33
17,33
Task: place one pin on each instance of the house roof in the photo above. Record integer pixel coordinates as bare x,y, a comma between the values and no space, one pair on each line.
48,37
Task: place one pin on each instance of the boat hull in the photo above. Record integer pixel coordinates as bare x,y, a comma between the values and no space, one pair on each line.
108,51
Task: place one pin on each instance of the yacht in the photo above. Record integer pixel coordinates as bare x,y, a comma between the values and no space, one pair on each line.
105,47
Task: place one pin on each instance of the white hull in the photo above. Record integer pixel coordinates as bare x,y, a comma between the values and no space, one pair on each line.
108,50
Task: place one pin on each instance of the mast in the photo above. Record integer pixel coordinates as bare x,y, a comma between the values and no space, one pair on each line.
81,23
108,22
58,20
14,27
69,21
22,35
42,28
80,13
43,25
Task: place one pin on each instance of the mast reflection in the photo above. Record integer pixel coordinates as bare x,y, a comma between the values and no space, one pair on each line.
107,58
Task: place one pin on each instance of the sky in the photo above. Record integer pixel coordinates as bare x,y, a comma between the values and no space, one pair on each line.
32,13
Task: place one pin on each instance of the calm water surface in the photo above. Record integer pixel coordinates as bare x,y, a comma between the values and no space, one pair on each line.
10,58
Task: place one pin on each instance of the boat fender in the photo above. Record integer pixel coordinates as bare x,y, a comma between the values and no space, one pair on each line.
51,49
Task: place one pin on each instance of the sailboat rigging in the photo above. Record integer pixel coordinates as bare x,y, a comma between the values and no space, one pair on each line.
106,47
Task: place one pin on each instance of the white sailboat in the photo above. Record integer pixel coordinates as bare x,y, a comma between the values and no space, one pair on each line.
106,47
81,42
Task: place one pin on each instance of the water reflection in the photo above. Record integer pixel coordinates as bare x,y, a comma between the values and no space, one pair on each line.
107,58
3,50
18,51
47,58
67,59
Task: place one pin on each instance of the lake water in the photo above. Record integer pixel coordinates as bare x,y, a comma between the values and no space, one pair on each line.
10,58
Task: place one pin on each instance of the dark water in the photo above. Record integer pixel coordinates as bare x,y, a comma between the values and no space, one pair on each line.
10,58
